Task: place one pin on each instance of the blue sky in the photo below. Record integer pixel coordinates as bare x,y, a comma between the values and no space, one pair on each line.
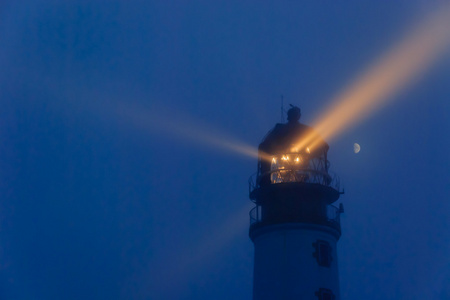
111,189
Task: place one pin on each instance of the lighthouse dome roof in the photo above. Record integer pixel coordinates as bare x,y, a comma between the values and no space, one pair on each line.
292,137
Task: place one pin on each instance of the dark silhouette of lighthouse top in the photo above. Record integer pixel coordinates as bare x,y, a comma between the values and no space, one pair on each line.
293,183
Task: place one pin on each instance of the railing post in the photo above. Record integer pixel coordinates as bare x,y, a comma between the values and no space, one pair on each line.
257,213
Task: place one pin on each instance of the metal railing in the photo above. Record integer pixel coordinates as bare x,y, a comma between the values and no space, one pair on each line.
255,215
296,175
333,215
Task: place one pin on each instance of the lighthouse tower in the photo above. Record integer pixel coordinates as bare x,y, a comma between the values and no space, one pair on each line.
294,226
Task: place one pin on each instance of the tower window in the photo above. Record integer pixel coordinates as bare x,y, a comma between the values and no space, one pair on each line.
325,294
322,253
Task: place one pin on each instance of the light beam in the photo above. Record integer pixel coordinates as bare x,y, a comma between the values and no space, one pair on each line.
400,66
182,127
181,266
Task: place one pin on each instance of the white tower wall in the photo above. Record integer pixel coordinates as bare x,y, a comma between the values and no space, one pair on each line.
286,264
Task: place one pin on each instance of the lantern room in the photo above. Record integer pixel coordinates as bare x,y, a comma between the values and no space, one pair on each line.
293,152
293,182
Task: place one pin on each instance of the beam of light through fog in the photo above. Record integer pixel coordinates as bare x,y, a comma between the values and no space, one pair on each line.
177,269
400,66
181,127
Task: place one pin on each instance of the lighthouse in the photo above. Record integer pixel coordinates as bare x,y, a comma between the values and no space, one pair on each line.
294,225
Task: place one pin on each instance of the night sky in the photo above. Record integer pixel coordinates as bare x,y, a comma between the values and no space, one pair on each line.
118,174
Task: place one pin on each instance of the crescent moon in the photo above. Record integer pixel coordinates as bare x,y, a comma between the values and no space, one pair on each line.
356,147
